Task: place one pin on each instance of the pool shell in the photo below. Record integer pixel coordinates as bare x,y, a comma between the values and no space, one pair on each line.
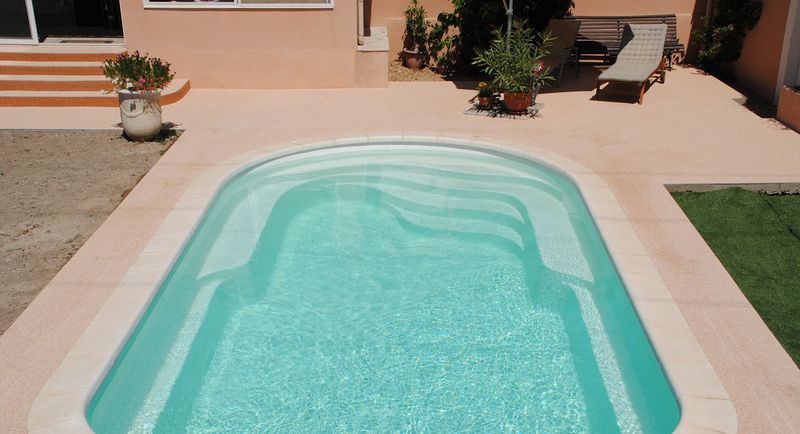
704,403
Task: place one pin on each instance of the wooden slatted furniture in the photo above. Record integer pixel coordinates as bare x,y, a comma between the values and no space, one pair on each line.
640,57
600,36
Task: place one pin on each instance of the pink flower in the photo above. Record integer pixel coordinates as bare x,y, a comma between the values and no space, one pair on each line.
538,66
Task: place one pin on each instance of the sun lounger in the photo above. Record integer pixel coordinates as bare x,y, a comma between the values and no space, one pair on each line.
641,56
600,36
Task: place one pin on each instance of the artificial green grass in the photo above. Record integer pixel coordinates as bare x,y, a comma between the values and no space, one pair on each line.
757,238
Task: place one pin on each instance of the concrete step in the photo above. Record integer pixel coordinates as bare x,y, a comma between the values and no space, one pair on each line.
31,67
82,98
57,53
55,82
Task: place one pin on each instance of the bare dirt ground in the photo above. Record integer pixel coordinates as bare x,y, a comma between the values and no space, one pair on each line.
398,72
56,188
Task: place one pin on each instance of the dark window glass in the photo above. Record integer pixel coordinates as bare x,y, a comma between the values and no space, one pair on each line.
14,19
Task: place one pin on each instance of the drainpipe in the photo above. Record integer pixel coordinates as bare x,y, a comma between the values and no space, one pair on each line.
510,13
360,8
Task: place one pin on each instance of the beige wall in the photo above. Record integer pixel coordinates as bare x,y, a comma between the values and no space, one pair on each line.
253,48
758,66
266,48
761,53
687,11
389,14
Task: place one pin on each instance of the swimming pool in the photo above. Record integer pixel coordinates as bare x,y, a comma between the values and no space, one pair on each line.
390,288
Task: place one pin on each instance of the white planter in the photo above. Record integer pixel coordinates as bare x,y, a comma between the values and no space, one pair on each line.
140,113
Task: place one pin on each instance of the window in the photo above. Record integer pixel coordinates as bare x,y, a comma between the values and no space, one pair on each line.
211,4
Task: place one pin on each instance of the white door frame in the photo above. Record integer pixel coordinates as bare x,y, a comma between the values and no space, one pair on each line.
34,39
789,69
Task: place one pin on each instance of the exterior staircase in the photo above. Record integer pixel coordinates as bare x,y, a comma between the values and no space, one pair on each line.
64,76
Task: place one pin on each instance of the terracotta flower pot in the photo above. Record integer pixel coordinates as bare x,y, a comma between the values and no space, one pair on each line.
484,102
412,59
517,102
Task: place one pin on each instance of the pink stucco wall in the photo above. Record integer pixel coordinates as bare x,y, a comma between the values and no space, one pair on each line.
269,48
687,11
761,52
389,13
789,108
254,48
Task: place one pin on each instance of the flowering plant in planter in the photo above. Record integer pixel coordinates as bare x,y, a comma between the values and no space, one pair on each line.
485,95
484,89
139,81
515,63
138,73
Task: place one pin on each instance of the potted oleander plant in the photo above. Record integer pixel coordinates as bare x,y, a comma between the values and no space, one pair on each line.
139,80
514,61
415,36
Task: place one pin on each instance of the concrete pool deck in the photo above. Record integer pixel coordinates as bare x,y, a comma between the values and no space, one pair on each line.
690,130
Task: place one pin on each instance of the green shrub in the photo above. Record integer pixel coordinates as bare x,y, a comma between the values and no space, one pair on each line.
138,73
442,42
474,21
515,62
722,34
416,33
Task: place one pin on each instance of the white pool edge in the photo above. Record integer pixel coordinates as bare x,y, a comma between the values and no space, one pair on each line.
705,405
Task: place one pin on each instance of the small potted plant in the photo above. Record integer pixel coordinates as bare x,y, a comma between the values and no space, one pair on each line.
139,80
515,64
415,35
485,95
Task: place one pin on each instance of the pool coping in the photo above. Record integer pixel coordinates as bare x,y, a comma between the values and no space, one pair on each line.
704,403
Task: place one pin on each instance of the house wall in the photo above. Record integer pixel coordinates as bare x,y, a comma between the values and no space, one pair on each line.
254,48
687,12
389,13
761,53
269,48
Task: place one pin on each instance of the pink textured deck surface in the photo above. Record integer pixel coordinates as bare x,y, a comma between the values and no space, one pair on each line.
689,130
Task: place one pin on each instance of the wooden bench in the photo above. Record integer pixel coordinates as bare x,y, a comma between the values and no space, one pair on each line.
599,37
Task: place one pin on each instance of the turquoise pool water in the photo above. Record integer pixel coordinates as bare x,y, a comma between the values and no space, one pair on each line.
390,288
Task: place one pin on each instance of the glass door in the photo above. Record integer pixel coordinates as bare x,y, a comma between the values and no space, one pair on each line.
17,25
77,18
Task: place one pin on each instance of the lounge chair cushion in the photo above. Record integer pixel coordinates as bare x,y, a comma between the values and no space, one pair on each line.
640,55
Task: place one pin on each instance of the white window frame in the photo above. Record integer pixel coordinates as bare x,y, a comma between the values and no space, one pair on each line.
235,4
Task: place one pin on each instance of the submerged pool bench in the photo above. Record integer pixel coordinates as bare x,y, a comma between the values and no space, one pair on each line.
600,36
